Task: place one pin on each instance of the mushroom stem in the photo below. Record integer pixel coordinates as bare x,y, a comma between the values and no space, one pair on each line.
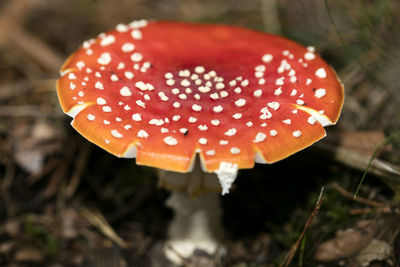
196,225
197,213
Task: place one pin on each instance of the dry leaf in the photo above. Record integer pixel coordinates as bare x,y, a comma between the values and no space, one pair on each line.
376,250
345,244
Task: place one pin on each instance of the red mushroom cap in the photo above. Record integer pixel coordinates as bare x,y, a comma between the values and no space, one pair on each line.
164,91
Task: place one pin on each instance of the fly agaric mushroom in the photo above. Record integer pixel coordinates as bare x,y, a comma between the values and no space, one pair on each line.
165,91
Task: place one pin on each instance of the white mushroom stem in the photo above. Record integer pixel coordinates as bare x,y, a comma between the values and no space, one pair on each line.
197,220
196,225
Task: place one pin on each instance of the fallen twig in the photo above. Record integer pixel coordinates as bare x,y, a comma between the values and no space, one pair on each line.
6,183
80,164
14,36
387,140
55,180
35,49
29,111
98,221
382,210
49,166
289,256
388,172
146,190
359,199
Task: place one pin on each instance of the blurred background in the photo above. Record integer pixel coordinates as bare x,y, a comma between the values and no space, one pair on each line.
66,202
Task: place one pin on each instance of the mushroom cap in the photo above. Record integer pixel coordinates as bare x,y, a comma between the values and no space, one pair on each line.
164,91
